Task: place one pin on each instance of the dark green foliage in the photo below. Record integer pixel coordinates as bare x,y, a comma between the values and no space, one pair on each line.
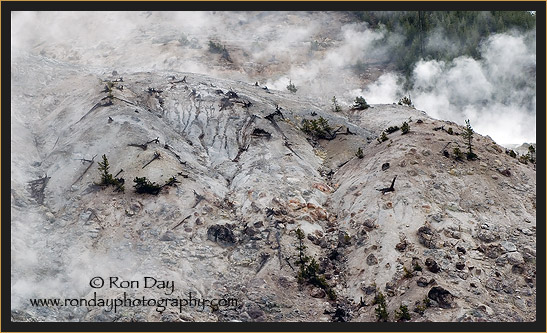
420,308
524,158
143,185
512,153
381,309
417,267
171,181
382,137
468,137
405,128
458,155
405,101
106,177
291,87
335,106
402,314
392,129
216,47
450,131
463,29
309,268
359,153
318,128
360,103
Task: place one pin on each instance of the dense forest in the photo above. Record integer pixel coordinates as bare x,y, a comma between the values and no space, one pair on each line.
441,35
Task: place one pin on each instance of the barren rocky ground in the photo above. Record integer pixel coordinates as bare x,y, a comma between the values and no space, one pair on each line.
453,241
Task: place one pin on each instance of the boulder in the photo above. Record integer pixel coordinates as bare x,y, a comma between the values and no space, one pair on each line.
221,234
442,296
432,265
372,260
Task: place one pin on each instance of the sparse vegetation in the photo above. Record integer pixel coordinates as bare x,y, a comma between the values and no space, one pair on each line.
335,106
417,267
392,129
381,309
309,268
405,128
511,153
218,48
402,314
405,101
106,177
318,128
143,185
450,131
291,87
468,136
458,155
359,153
360,103
382,137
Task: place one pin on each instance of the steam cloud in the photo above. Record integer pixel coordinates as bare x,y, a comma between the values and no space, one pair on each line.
318,52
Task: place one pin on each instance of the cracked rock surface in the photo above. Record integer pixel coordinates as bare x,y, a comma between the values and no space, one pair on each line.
450,231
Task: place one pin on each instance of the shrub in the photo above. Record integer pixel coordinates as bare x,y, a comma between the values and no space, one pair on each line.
458,154
405,128
309,268
291,87
381,311
511,153
402,314
382,137
405,101
417,267
216,47
450,131
359,153
318,128
360,103
392,129
143,185
107,179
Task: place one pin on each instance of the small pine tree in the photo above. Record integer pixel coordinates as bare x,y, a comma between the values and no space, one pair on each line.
381,309
359,153
106,177
402,314
291,87
458,155
360,103
336,107
468,137
405,128
383,137
143,185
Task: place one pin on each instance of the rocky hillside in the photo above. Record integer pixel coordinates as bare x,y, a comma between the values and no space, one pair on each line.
452,239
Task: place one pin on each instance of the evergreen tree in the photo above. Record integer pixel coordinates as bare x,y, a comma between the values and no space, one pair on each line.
468,137
106,177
